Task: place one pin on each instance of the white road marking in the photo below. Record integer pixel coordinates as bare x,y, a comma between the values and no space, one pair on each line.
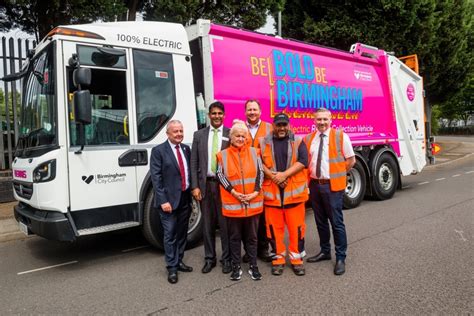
136,248
455,175
49,267
468,172
440,179
460,232
421,183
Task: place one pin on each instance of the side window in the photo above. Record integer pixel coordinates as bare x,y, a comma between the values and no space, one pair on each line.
109,125
155,92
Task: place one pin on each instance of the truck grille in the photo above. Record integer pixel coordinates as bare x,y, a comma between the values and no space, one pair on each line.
24,190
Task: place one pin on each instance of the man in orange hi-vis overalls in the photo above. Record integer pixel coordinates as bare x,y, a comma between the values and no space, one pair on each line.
285,192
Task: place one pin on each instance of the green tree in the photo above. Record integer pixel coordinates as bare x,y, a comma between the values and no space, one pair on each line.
437,31
248,14
3,112
38,17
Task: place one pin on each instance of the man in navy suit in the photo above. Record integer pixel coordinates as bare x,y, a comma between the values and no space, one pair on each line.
169,167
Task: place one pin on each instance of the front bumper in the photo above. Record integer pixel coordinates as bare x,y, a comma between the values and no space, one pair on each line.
47,224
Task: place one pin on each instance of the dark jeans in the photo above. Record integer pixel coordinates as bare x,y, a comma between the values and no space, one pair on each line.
243,229
327,205
263,241
175,232
211,210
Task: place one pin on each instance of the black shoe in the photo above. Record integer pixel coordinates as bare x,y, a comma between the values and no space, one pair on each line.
226,267
208,266
254,273
184,268
340,267
277,269
236,273
298,269
172,277
319,257
246,258
265,256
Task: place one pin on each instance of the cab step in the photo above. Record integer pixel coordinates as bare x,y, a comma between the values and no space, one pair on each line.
106,228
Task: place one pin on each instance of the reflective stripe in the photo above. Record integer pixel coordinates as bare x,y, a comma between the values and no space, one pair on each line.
338,175
224,160
256,204
239,181
296,191
232,207
295,255
337,159
268,195
338,144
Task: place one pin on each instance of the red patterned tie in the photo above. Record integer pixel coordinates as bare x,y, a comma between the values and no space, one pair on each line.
181,168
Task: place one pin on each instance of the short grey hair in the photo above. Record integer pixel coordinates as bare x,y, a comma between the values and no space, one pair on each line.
321,110
172,122
238,125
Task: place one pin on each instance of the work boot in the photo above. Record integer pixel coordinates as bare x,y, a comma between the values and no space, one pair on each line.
277,269
298,269
254,273
236,273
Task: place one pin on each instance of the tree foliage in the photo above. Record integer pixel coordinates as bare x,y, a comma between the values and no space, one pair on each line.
38,17
249,14
437,31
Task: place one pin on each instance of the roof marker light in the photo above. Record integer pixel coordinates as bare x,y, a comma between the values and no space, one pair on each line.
71,32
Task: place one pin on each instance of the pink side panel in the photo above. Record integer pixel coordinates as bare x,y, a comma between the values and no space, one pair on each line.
297,78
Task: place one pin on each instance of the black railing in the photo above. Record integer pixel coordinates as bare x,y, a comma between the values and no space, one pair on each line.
13,53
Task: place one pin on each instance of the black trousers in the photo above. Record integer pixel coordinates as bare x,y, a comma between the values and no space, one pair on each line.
175,231
243,229
211,210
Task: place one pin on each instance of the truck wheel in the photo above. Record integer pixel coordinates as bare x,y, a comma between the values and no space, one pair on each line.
195,225
355,189
385,179
153,231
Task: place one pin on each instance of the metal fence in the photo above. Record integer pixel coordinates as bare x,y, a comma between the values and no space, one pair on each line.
12,54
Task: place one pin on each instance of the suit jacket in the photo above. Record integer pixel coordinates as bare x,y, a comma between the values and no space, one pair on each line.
200,159
165,174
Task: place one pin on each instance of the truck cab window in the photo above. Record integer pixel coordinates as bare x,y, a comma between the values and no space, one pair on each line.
155,92
109,108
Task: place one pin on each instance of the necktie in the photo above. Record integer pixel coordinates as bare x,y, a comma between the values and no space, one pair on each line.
181,168
320,156
215,140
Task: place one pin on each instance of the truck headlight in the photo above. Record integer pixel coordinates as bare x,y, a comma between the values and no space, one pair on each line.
45,172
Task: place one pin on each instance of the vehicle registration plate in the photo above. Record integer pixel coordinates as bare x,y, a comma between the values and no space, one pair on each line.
23,228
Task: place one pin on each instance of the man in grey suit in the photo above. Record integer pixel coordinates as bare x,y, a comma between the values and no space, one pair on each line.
207,143
169,170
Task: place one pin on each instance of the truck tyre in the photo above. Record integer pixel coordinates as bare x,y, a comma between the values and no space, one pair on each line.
153,231
356,184
385,179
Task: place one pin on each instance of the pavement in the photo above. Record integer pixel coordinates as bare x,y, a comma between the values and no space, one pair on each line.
452,148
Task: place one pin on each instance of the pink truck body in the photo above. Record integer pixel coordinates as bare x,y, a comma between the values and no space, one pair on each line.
297,78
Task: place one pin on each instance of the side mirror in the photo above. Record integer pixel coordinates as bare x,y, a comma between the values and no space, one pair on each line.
82,76
82,107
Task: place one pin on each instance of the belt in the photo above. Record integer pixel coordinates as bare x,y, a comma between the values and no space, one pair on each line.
320,181
211,179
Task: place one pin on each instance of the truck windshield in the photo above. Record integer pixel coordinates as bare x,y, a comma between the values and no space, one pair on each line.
38,109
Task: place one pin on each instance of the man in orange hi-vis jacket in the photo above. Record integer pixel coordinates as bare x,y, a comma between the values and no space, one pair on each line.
285,191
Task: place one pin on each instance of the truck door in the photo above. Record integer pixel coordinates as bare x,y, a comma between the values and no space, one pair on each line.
102,177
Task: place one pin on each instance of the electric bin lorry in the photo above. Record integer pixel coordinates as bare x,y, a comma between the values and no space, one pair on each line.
96,99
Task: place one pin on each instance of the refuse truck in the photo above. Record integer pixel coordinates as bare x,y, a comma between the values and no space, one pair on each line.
96,99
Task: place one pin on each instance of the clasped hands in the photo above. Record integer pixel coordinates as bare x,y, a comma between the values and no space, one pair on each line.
244,198
279,178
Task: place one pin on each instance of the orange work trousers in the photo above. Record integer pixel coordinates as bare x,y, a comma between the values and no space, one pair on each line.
294,219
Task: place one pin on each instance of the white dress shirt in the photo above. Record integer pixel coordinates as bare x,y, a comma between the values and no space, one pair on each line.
347,150
185,162
220,130
253,128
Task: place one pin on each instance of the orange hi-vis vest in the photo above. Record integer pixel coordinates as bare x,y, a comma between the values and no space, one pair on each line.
296,191
240,168
263,130
337,161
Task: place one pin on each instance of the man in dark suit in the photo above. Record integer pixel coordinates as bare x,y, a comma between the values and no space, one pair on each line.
169,167
207,143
